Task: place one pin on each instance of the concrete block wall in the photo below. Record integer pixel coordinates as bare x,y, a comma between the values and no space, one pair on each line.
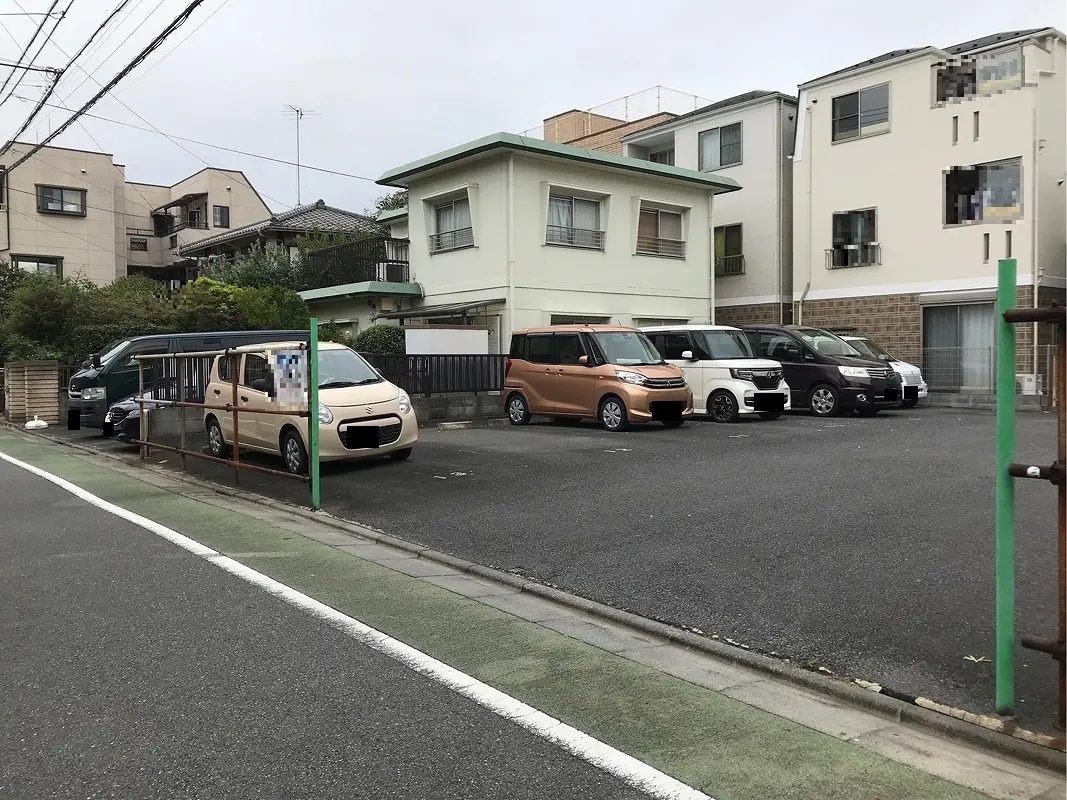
460,406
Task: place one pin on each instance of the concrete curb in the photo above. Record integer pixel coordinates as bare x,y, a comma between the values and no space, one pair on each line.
994,735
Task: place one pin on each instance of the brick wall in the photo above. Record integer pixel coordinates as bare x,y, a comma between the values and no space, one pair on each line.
893,321
571,125
610,140
740,315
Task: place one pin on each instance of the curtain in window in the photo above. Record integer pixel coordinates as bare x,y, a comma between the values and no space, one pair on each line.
976,335
462,210
708,143
648,224
559,212
446,219
586,215
730,144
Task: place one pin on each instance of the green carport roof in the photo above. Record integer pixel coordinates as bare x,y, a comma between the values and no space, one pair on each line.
400,176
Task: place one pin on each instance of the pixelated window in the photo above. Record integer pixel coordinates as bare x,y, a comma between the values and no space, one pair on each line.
983,192
256,366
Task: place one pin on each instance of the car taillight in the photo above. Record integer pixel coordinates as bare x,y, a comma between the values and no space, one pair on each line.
507,367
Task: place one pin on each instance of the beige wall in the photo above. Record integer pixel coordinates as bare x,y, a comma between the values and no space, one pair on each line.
901,174
571,125
509,209
609,140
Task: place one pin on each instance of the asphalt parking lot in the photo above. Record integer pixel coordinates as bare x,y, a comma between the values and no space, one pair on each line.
863,546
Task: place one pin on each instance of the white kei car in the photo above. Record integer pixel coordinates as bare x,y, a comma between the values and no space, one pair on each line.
912,383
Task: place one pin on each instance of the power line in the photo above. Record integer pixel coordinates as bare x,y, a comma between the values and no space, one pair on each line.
29,44
44,98
177,44
153,45
259,156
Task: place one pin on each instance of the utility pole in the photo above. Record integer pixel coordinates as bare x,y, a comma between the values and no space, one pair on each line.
298,114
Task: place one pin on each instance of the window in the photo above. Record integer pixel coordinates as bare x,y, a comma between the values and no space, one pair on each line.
976,126
854,242
986,74
985,248
570,348
721,345
173,242
778,346
729,257
161,223
956,129
659,233
139,244
225,368
574,221
720,147
452,226
220,216
662,157
627,348
958,346
131,361
983,193
47,265
59,200
1007,244
861,113
671,345
539,348
256,366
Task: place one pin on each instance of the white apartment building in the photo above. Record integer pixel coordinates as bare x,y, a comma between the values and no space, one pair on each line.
72,212
914,173
748,138
509,232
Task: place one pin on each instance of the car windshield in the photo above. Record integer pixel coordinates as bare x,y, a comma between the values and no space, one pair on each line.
869,348
627,348
827,343
339,367
112,350
726,344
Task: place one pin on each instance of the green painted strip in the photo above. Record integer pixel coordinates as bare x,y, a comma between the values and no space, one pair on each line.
1005,492
313,409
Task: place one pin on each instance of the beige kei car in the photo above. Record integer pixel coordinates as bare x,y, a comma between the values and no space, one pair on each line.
360,414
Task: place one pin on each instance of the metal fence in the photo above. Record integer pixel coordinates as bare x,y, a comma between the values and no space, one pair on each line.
441,374
972,370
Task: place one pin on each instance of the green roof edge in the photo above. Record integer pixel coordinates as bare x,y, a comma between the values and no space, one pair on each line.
526,144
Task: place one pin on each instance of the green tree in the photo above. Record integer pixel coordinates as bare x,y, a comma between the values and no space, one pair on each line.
271,307
39,317
260,266
10,277
207,305
332,332
390,202
388,339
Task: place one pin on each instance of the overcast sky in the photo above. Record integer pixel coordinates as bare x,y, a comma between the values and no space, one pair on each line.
393,82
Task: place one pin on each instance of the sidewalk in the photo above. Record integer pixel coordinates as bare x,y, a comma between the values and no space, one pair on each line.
727,730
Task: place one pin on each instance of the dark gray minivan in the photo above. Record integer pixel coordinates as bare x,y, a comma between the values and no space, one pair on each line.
825,373
111,375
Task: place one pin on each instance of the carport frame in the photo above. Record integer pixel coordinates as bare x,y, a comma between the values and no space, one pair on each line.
232,407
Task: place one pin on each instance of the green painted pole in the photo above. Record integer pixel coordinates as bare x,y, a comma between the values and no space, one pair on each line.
1005,493
313,409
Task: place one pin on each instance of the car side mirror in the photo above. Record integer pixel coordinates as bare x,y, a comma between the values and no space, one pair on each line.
94,359
583,360
264,385
688,355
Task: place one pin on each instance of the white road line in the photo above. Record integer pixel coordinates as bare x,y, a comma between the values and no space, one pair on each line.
614,762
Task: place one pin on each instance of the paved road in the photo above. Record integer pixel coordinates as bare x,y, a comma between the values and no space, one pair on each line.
135,669
864,546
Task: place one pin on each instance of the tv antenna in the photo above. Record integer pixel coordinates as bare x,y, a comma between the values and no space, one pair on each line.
298,113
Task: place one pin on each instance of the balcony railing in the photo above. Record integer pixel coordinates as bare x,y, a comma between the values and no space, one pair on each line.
729,265
653,246
451,240
853,255
575,237
377,259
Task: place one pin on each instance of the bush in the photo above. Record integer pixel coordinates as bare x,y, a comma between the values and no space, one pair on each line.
386,339
332,332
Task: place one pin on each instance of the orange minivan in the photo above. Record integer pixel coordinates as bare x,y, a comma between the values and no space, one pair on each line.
603,372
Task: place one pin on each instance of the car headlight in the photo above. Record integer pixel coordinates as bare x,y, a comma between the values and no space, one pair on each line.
94,393
404,402
325,415
635,378
855,372
741,374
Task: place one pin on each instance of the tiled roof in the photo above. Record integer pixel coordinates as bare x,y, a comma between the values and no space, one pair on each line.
539,147
315,216
993,38
721,105
870,62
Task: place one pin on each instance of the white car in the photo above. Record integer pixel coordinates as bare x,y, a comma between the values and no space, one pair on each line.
726,378
914,387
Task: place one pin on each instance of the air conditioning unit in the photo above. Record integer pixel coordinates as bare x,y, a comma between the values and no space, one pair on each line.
1028,383
387,304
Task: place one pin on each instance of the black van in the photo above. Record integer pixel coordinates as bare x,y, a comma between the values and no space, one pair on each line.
824,372
111,375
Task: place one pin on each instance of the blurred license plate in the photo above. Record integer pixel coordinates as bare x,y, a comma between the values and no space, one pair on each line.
892,393
911,392
768,402
358,437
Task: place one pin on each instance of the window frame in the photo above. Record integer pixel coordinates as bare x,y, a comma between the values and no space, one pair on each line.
138,244
61,212
966,72
669,152
244,369
658,253
979,192
869,240
552,349
215,216
718,130
56,261
596,242
436,236
860,134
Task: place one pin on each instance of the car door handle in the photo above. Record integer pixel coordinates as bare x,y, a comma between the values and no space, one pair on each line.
244,399
217,392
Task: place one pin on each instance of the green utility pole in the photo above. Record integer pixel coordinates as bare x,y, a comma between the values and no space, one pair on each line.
1005,491
313,410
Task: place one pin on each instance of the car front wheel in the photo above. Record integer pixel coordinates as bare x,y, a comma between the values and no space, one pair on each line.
723,406
909,403
823,401
401,455
613,415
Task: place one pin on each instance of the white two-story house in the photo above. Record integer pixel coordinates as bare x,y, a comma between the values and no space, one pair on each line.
748,138
509,232
913,174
